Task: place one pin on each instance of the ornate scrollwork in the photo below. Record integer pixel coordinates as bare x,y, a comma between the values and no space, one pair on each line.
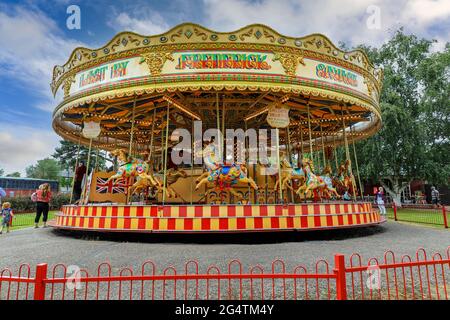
199,33
370,86
289,62
269,36
249,33
176,35
155,61
67,84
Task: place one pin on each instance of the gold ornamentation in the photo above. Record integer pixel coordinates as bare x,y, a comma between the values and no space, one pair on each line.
155,61
269,36
199,33
289,62
246,34
126,44
176,35
370,86
67,84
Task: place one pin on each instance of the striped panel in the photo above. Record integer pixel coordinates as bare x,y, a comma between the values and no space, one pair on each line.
216,218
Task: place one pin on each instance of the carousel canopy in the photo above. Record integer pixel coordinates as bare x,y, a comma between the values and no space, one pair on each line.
200,74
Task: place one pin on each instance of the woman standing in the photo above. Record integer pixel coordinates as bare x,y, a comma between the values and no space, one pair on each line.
379,196
42,198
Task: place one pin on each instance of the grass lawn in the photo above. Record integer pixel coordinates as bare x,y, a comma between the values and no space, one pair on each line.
429,217
432,217
25,220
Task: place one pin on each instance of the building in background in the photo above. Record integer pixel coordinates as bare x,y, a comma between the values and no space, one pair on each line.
16,187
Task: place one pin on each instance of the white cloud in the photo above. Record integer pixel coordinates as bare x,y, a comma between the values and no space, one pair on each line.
143,22
426,11
32,45
21,146
343,20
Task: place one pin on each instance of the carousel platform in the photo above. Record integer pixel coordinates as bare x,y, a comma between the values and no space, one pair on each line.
216,218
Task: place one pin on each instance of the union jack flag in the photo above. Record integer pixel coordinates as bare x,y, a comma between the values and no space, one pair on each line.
114,187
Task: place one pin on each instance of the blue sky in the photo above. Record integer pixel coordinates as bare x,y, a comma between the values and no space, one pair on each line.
34,37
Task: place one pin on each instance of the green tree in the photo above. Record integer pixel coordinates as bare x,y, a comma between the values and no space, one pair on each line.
435,110
410,145
44,169
2,172
67,152
14,174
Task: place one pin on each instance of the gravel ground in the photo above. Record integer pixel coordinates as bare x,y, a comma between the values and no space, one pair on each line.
302,248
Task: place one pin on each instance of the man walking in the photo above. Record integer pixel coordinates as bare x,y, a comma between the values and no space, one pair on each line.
434,196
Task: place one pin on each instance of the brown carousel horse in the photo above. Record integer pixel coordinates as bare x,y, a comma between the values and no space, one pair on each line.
145,178
344,179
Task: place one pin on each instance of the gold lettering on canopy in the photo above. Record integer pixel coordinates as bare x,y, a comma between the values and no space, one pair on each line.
223,61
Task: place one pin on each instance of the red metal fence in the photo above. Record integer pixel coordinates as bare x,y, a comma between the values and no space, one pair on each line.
406,278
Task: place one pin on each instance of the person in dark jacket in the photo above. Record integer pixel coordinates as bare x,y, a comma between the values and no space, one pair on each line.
80,172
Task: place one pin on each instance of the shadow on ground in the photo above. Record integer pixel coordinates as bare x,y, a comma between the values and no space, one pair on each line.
228,238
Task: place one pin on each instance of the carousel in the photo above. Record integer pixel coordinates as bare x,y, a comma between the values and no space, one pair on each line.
218,132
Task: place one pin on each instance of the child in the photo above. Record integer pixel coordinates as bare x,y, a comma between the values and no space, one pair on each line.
6,216
379,197
346,196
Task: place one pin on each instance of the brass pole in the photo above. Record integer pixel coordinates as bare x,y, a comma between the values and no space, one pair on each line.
301,139
277,132
290,156
335,153
310,137
165,155
132,128
323,149
192,159
152,135
246,158
219,141
223,122
361,187
162,147
347,153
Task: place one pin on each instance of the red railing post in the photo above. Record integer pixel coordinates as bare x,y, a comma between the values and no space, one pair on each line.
445,217
339,271
394,206
39,284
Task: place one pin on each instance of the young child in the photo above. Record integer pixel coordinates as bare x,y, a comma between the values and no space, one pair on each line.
379,197
6,216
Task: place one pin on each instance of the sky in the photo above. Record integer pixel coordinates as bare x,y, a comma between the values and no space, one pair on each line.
34,37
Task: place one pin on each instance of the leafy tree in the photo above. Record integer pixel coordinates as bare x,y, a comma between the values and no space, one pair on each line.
2,172
67,152
435,74
413,141
44,169
14,174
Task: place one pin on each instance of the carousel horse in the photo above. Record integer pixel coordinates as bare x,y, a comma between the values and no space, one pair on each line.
224,176
313,182
134,168
172,176
145,178
326,176
344,179
288,173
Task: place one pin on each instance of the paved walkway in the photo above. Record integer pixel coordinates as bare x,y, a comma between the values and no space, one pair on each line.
87,251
